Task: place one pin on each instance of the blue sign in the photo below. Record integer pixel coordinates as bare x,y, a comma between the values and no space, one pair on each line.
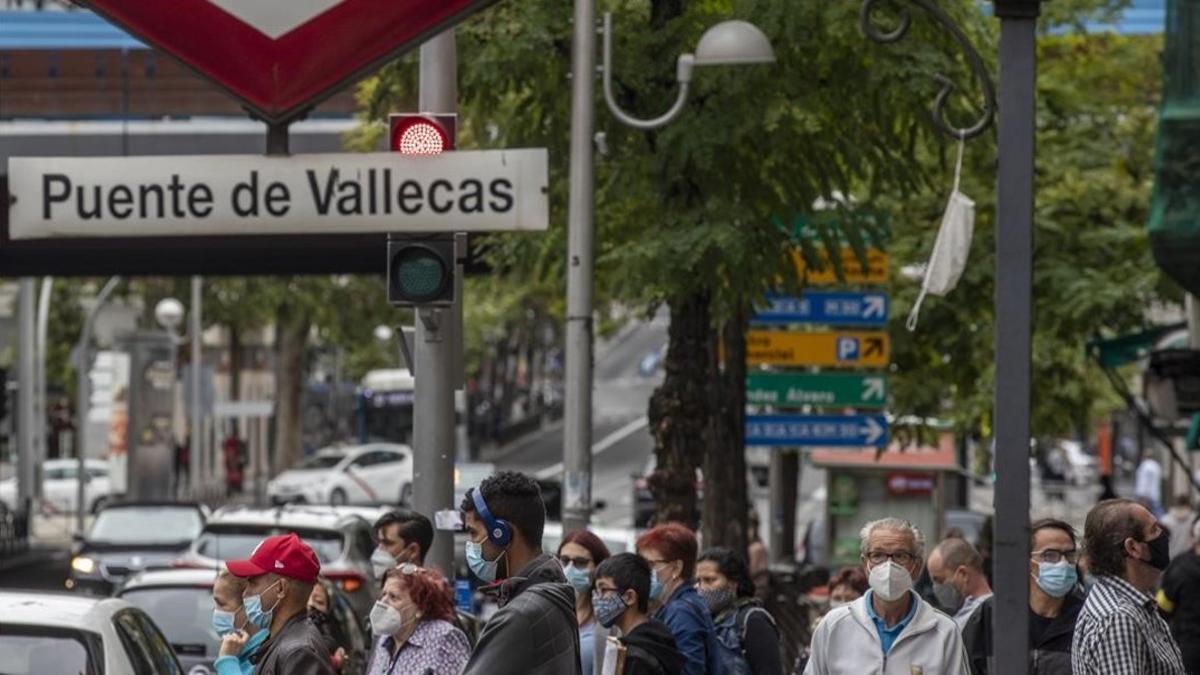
824,430
834,308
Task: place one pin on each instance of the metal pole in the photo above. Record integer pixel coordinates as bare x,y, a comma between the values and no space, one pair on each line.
1014,329
277,137
433,410
577,428
27,474
783,484
83,397
39,401
197,413
1192,309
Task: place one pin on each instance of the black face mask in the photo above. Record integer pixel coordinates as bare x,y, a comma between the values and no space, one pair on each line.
1160,550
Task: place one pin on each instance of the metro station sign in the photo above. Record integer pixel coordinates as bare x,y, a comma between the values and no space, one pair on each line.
281,57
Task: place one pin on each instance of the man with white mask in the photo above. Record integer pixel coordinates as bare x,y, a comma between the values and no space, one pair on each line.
890,630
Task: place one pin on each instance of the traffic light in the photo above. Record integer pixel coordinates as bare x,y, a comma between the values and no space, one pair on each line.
421,269
422,134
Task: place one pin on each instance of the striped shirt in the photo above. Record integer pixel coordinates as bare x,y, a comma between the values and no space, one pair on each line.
1120,632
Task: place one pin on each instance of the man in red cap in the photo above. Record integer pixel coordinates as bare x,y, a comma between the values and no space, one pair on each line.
280,575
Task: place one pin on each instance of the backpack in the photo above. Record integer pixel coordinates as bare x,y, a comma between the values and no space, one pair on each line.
731,639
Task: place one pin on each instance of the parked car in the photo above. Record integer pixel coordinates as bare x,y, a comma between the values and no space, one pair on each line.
180,602
128,537
60,489
373,473
340,536
51,633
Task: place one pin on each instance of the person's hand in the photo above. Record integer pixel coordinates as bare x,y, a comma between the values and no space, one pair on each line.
339,657
232,644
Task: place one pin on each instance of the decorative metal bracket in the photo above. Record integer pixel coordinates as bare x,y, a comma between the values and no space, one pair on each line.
896,34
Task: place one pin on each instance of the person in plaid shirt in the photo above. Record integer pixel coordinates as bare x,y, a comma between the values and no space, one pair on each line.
1120,631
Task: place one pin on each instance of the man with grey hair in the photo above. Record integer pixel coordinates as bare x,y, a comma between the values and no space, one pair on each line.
890,630
956,570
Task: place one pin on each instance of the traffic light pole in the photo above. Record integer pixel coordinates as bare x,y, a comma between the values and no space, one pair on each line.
577,428
83,396
26,457
436,340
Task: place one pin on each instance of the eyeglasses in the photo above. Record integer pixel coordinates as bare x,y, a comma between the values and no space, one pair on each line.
1053,555
656,563
902,558
579,562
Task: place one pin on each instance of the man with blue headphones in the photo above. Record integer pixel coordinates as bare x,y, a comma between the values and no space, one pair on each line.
534,632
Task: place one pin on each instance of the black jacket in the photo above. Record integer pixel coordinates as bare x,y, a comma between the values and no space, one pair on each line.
535,631
650,650
300,648
1050,652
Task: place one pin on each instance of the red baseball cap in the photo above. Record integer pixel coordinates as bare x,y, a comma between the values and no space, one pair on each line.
284,554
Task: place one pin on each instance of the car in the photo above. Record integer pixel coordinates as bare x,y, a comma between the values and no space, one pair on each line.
180,602
373,473
48,633
60,489
128,537
340,536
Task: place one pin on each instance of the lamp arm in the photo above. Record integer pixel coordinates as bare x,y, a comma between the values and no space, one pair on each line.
683,75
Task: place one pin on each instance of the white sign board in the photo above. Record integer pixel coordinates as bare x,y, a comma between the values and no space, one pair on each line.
461,191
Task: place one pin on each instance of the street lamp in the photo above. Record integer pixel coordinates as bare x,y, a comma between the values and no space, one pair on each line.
170,314
728,43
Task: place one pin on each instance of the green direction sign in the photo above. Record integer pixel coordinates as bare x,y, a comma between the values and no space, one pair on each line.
857,390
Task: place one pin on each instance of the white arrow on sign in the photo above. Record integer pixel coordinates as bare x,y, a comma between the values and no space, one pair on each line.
873,388
876,306
872,430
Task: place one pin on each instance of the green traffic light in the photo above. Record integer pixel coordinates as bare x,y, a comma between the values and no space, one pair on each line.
419,274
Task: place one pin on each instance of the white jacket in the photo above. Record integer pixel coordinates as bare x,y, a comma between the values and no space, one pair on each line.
847,643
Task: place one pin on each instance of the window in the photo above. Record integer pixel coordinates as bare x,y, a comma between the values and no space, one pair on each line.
183,613
367,459
388,456
234,542
320,462
97,472
55,474
146,525
33,650
136,642
161,655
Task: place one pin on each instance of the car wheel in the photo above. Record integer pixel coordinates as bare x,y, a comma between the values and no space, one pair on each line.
406,495
338,497
97,505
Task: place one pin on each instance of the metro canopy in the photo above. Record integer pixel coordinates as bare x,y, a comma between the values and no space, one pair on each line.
463,191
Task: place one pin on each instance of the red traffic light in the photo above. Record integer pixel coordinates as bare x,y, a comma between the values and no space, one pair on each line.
421,134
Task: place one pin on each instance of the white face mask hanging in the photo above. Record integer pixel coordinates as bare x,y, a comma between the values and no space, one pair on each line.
953,244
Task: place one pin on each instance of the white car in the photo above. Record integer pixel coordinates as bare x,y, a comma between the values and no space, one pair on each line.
59,633
370,474
60,488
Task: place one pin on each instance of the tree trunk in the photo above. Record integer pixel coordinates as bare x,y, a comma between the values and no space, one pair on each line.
725,500
235,370
291,340
678,411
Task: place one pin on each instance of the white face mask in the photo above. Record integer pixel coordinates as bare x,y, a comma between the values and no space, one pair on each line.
952,246
385,619
890,581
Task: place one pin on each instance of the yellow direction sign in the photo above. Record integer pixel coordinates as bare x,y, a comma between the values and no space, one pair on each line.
839,348
875,273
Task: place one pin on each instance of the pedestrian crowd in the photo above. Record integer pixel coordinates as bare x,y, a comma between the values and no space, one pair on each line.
1116,602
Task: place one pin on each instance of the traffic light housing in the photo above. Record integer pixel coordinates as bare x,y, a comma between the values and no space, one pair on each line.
421,270
421,134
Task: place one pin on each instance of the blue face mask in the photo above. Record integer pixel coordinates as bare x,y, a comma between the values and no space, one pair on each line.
223,622
579,579
1056,579
255,612
484,570
656,587
608,608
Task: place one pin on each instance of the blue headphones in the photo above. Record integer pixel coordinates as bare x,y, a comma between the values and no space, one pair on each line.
499,531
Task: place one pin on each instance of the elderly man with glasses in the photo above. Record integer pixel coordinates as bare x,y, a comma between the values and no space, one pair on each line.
890,630
1055,600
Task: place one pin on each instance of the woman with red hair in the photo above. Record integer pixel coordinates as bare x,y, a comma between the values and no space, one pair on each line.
413,624
671,552
580,553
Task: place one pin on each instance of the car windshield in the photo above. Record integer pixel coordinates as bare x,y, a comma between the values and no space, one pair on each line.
320,462
146,525
35,650
183,614
238,542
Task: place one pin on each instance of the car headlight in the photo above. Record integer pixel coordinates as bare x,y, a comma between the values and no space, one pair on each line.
83,564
